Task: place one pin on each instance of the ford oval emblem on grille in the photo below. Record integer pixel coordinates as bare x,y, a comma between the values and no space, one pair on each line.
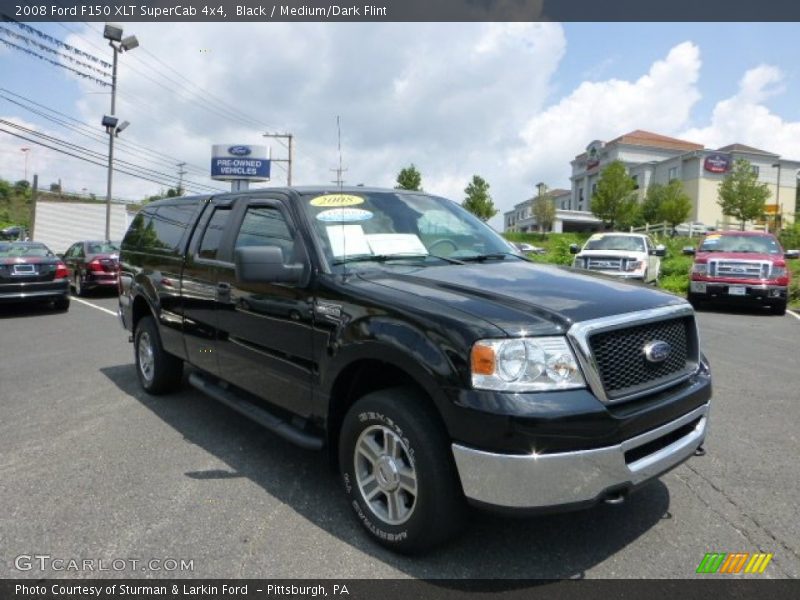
657,351
239,150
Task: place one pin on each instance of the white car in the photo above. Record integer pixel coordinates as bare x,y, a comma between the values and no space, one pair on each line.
624,255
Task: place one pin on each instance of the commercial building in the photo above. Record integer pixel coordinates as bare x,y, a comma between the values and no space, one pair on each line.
521,219
653,158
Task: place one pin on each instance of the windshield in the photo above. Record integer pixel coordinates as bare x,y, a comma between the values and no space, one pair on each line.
761,244
393,225
13,250
615,242
102,247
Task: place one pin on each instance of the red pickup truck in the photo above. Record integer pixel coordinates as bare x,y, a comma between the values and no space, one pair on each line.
740,266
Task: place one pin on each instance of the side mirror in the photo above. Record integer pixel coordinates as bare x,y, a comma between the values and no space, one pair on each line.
688,250
264,264
574,248
661,250
792,254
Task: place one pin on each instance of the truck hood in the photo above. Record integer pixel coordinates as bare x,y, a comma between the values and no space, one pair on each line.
521,297
613,253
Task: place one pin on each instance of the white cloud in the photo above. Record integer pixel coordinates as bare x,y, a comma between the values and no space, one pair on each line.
744,118
659,101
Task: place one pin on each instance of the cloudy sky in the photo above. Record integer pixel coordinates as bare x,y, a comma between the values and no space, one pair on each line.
513,103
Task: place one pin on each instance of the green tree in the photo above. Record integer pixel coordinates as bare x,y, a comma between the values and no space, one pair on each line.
409,178
676,206
741,195
543,210
614,201
651,206
478,200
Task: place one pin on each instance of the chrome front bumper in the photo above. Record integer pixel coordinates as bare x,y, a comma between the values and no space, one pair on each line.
547,480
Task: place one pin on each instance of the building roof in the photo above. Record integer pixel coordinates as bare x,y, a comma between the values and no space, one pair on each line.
558,192
640,137
743,148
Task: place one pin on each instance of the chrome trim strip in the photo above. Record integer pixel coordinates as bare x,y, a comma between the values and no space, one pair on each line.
544,480
580,332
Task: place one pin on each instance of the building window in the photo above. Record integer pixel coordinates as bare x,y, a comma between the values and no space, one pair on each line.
755,170
672,174
580,196
635,181
594,188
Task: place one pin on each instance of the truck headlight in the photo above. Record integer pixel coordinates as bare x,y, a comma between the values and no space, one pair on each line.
700,268
525,365
634,265
778,272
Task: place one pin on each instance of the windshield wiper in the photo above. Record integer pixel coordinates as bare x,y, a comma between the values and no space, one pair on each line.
491,256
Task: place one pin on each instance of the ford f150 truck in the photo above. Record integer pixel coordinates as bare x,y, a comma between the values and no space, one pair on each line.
623,255
740,266
403,335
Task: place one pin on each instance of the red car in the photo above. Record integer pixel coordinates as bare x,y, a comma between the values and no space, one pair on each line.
30,272
740,266
92,265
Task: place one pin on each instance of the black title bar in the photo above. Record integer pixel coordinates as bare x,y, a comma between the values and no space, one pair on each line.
403,10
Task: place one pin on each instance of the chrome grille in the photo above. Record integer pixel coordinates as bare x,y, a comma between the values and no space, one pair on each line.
740,269
611,351
601,263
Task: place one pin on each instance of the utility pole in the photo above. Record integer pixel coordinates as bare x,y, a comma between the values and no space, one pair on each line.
34,196
181,173
289,139
339,181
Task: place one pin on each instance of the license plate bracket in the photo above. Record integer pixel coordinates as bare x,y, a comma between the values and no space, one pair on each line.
737,290
24,270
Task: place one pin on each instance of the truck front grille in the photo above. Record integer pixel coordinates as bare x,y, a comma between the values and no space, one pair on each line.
740,269
602,263
622,360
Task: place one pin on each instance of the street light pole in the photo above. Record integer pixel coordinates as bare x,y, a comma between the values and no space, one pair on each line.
111,136
113,33
25,152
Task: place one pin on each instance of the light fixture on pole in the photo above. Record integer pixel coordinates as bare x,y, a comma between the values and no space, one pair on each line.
113,33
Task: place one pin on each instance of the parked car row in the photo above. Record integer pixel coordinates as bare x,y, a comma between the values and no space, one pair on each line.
32,272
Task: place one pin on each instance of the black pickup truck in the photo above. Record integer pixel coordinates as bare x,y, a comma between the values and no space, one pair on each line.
435,364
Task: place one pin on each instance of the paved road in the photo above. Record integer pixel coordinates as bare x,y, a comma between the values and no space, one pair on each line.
91,467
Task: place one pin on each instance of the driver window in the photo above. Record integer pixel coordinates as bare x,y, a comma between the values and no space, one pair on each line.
266,226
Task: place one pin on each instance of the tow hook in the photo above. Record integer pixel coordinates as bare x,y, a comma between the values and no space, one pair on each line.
700,451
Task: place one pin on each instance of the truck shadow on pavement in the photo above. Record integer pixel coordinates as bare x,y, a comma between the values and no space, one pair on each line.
491,547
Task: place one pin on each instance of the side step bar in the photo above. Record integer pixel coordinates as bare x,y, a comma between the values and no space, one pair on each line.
275,424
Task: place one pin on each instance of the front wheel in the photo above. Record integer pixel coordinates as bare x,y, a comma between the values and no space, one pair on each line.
398,471
779,308
158,371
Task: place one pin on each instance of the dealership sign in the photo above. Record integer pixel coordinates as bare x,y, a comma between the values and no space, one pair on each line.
717,163
239,161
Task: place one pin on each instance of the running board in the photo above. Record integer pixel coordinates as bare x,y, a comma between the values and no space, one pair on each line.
275,424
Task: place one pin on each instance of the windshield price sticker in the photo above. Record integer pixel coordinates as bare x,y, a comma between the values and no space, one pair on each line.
343,215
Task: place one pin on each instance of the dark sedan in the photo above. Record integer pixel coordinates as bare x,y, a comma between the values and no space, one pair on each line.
92,265
29,271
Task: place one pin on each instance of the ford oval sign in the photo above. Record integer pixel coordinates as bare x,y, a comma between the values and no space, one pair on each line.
657,351
239,150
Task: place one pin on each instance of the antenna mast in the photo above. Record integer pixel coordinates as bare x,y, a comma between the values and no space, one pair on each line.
339,181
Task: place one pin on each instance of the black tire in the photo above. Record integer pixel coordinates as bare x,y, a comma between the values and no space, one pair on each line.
61,304
399,418
779,308
158,371
695,301
80,290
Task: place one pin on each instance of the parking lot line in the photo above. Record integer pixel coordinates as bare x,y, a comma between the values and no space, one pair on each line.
794,314
105,310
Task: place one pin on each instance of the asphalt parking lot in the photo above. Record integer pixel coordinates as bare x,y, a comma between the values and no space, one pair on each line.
91,467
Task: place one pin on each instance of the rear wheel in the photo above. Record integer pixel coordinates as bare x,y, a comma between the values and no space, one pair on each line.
158,371
80,288
398,471
695,300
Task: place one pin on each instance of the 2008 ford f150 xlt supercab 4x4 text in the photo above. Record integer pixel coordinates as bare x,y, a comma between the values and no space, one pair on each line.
437,365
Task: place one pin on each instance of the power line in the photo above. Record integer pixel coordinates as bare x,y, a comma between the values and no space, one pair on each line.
53,62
